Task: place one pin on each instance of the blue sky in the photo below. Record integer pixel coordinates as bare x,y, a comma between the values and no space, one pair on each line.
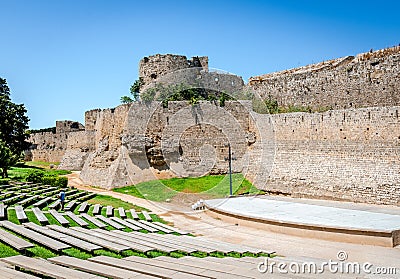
63,57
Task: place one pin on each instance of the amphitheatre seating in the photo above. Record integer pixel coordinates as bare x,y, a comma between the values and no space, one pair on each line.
55,204
74,196
134,214
216,269
13,198
27,200
3,211
45,190
220,246
59,217
96,268
126,224
18,187
160,244
31,189
51,193
93,220
88,196
142,225
110,222
121,212
109,211
36,237
42,202
135,244
191,270
73,241
147,216
40,215
144,268
96,209
70,205
167,240
14,241
76,219
89,237
171,228
116,238
83,208
45,268
4,195
20,213
143,239
155,226
7,273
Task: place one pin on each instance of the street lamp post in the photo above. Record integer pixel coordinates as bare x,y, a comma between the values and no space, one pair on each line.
230,169
229,159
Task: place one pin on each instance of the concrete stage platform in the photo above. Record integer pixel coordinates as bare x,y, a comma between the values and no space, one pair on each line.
337,221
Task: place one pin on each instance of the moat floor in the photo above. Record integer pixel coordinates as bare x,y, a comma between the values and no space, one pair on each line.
329,215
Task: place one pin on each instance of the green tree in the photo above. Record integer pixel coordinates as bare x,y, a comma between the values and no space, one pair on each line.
7,159
134,90
13,128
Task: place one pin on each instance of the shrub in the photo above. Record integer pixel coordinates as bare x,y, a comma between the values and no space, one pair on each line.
62,181
49,180
35,176
54,180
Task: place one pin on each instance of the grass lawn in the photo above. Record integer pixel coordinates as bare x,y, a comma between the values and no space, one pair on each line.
114,202
214,186
20,171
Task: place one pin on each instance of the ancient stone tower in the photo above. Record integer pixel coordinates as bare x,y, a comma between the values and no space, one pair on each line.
155,66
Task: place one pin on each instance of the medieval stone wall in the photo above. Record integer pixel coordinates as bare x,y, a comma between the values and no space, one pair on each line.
51,147
349,155
134,143
369,79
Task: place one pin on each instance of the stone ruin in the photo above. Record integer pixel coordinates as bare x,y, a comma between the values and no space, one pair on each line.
351,152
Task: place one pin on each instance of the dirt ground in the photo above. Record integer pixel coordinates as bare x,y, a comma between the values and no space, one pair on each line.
179,213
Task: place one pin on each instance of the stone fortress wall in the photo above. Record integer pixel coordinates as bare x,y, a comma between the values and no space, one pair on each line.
366,80
49,146
350,153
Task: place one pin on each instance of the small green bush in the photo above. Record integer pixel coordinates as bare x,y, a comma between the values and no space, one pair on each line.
35,176
54,180
62,181
49,180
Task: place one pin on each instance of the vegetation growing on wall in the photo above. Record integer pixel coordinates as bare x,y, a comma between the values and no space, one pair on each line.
44,130
183,92
273,107
134,91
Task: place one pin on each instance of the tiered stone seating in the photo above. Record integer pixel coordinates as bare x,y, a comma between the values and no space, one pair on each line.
59,217
40,215
147,216
88,236
48,242
45,268
96,209
109,211
14,241
21,216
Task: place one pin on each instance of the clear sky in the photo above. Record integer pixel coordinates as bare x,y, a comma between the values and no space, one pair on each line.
63,57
